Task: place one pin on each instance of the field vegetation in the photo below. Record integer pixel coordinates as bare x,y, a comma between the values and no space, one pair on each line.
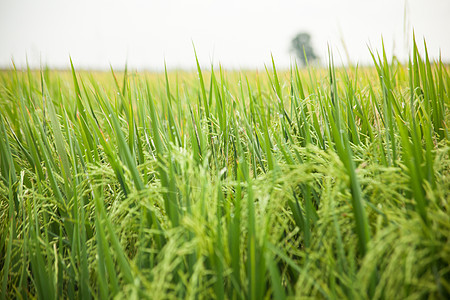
324,183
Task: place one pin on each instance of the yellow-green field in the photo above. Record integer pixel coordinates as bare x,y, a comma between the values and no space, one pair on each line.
309,183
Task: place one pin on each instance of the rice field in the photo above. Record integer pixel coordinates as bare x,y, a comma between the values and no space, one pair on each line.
324,183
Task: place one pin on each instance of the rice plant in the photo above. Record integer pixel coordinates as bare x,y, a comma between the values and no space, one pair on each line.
307,183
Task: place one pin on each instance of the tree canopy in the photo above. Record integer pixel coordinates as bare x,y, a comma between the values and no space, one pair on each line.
301,46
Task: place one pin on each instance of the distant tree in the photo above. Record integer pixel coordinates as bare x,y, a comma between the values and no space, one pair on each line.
301,46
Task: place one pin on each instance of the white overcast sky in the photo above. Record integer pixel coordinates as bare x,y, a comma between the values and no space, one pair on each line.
238,34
